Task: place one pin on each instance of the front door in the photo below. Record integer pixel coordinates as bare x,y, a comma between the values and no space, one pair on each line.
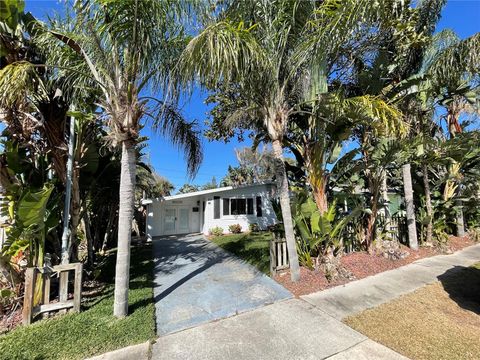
183,221
170,221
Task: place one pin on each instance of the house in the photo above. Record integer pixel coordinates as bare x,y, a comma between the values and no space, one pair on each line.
200,211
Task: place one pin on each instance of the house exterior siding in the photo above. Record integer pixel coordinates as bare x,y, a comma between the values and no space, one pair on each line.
160,211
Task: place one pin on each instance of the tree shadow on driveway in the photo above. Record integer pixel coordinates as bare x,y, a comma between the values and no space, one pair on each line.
463,286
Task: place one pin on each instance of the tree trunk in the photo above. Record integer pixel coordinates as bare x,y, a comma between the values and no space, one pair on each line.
108,229
386,200
125,216
75,214
460,221
88,235
320,194
428,203
282,182
408,190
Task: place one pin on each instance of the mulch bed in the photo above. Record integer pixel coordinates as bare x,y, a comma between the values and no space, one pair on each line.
10,320
361,265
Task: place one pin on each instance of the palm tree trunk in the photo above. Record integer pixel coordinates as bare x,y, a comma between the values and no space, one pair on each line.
460,221
286,211
408,190
428,203
125,216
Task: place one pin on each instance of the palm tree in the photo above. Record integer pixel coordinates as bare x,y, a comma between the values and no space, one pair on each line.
452,67
264,49
127,48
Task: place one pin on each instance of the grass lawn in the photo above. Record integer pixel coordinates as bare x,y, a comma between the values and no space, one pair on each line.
438,321
94,330
251,247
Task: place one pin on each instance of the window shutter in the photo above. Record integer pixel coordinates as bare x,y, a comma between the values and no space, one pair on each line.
216,207
259,206
249,206
226,206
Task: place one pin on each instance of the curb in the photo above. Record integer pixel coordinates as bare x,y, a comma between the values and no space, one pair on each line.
138,352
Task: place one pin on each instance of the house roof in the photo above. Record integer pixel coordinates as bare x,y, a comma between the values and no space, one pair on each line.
204,192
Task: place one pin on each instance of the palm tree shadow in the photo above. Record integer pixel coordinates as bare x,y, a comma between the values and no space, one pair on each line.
463,286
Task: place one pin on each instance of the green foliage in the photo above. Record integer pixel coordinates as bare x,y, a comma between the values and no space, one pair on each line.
188,188
235,228
318,233
253,227
94,330
216,231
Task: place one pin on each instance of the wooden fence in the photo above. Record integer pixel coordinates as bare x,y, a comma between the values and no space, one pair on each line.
278,254
394,227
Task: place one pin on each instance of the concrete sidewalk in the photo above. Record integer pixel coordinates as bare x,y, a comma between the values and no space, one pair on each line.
356,296
290,329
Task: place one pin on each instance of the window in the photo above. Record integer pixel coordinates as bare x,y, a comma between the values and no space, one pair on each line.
226,206
249,206
259,206
216,207
238,206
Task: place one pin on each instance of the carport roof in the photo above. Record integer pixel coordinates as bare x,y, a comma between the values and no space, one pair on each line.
204,192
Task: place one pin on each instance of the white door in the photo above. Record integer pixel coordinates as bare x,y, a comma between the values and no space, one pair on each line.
183,221
170,221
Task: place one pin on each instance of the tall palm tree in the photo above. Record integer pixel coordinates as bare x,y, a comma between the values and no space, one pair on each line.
453,67
264,48
127,48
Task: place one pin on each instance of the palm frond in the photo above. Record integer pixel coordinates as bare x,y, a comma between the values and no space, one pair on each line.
223,52
182,133
19,81
456,61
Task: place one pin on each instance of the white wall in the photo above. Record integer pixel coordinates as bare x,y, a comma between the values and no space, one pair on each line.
156,211
268,215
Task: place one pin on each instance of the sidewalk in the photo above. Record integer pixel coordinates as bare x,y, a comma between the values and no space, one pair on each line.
356,296
306,329
290,329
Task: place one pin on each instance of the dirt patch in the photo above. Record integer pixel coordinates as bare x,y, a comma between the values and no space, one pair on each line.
438,321
361,264
11,320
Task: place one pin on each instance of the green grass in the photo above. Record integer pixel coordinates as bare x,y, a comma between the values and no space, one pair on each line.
251,247
94,330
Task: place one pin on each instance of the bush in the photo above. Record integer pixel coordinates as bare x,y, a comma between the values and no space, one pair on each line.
253,227
474,234
235,228
216,231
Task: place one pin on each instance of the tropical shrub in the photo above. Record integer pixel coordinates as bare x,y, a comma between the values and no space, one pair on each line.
235,228
216,231
319,236
474,234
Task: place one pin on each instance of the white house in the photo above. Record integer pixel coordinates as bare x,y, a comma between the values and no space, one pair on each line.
200,211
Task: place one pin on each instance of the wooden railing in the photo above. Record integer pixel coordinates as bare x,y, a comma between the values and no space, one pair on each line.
44,274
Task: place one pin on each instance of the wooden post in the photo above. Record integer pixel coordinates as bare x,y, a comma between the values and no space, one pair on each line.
28,296
273,257
77,293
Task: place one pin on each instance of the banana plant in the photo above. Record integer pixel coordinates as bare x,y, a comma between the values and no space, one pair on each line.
319,233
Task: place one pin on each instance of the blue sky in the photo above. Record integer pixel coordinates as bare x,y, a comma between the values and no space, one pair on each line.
463,16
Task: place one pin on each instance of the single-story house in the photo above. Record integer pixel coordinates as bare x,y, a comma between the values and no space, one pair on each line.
200,211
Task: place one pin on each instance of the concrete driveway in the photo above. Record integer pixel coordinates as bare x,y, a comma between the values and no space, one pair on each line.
197,282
